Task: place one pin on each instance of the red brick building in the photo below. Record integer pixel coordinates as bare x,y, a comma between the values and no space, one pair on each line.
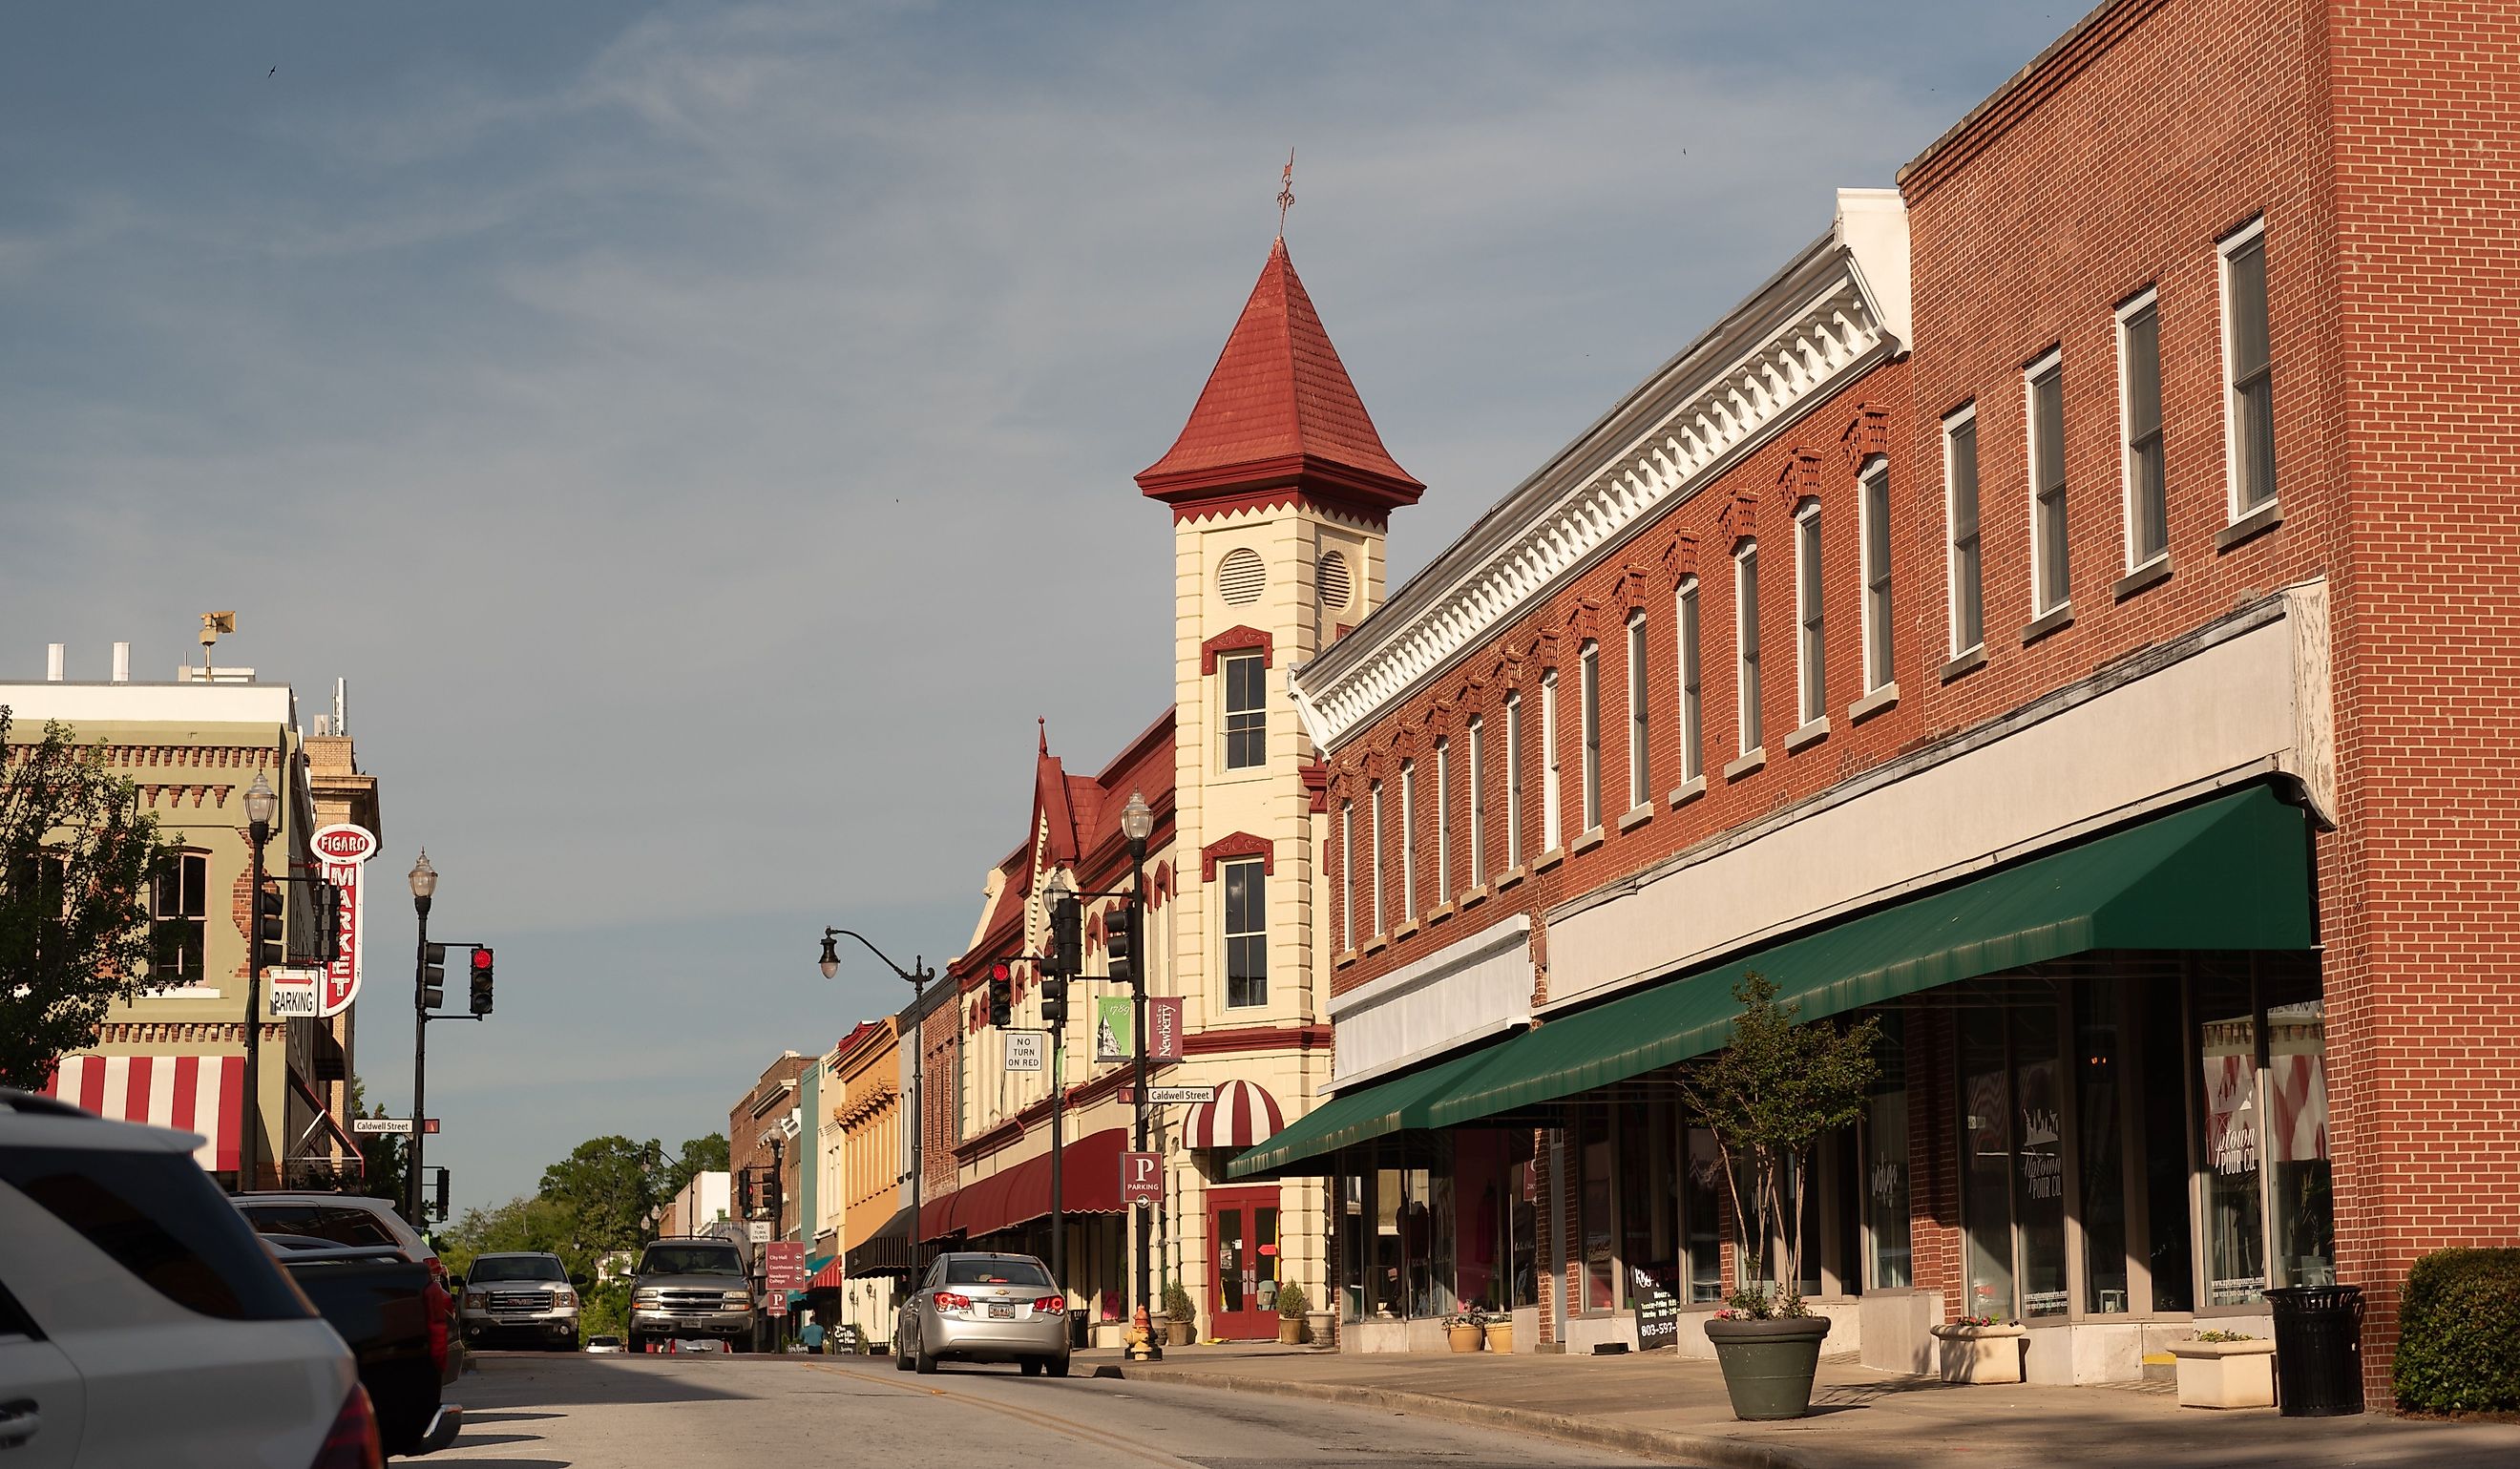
2036,615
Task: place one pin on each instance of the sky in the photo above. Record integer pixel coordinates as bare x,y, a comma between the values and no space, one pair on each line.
702,434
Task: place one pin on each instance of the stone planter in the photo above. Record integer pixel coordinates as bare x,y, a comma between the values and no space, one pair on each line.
1181,1333
1767,1365
1500,1336
1291,1331
1319,1327
1466,1338
1981,1354
2225,1375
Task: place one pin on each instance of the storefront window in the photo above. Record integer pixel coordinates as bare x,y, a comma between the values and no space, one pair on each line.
1479,1166
2099,1128
2227,1051
1885,1169
1647,1200
2297,1128
2040,1142
1593,1209
1701,1207
2160,1030
1524,1211
1354,1247
1986,1167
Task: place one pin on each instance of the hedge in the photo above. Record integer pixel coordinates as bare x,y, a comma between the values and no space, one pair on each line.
2459,1332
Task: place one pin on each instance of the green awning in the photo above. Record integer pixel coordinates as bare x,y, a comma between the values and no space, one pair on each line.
1354,1117
2230,873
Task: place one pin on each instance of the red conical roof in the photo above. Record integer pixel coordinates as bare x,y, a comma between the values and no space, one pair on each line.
1279,412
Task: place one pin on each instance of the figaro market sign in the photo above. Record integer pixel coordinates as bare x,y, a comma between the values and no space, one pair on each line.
343,851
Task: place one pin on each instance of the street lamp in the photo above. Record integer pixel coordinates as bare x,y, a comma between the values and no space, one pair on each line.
918,976
1057,888
424,886
1137,823
261,806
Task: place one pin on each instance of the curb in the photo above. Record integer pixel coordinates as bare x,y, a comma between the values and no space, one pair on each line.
1653,1443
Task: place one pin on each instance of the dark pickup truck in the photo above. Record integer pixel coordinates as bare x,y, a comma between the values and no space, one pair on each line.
392,1314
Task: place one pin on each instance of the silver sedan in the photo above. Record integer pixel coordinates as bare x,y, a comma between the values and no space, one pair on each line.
984,1308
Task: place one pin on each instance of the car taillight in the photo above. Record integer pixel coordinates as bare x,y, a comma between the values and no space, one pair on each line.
946,1300
352,1442
436,1303
1050,1303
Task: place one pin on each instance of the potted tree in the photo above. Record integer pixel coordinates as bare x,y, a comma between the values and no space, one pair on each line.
1291,1305
1181,1316
1768,1095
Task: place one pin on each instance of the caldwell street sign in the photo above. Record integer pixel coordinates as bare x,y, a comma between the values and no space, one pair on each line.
1170,1096
399,1126
1024,1049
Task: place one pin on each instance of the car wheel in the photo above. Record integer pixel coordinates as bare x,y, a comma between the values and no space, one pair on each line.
926,1359
1030,1365
900,1358
638,1345
1056,1366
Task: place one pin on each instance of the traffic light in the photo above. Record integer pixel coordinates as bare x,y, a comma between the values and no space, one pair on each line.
1066,937
743,1182
1054,1001
1121,944
432,976
328,921
271,925
480,981
441,1193
1002,995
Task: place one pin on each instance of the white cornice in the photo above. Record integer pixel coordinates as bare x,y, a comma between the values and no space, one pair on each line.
1839,307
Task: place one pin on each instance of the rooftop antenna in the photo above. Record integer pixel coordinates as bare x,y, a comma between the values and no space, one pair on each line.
1285,194
340,706
214,624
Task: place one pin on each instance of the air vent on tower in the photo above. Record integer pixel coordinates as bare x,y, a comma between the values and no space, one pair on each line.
1242,577
1332,580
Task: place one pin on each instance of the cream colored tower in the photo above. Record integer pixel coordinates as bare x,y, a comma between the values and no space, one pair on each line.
1280,490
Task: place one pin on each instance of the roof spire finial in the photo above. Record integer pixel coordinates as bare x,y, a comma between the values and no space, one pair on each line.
1286,193
1042,720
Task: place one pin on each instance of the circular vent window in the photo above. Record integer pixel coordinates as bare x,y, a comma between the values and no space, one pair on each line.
1242,577
1333,578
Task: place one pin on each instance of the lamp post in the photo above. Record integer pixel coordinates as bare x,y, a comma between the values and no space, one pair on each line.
424,886
1137,823
261,804
918,976
1055,888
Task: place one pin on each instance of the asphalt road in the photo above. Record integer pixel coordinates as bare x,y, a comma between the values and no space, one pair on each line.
534,1411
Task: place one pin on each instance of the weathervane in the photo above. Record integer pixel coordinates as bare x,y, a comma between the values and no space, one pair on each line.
1286,193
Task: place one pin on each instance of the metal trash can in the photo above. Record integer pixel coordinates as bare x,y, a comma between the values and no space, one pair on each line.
2319,1350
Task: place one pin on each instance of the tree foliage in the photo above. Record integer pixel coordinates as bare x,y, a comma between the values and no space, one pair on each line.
1768,1095
78,857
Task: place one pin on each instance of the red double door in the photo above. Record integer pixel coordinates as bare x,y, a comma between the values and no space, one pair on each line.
1242,1263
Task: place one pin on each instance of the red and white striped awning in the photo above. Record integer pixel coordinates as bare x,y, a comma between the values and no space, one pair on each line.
1242,1115
202,1095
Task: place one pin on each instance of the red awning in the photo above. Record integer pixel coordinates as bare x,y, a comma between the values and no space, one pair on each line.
1090,1184
1243,1115
828,1277
202,1095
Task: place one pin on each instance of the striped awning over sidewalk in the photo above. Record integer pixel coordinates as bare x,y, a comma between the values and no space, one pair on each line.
202,1095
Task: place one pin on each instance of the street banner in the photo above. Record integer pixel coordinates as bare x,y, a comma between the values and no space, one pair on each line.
1163,1028
293,992
1024,1049
344,850
1114,1034
1142,1178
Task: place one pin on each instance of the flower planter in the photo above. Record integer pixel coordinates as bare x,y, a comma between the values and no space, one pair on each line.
1181,1333
1291,1331
1982,1353
1767,1365
1320,1325
1500,1336
1466,1338
2225,1375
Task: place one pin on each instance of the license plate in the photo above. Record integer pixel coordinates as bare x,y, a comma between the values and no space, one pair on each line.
1002,1311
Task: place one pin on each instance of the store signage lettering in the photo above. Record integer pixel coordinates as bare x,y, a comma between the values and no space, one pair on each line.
344,850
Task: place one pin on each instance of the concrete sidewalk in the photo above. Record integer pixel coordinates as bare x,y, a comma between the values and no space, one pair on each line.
1667,1407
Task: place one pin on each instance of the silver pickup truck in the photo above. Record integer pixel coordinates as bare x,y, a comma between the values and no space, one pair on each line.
692,1287
520,1296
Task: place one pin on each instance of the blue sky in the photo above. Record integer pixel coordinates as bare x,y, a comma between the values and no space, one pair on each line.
703,434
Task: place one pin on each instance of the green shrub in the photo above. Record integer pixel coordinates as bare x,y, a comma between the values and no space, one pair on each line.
2456,1324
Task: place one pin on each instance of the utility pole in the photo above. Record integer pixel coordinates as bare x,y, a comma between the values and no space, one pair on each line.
424,886
1137,823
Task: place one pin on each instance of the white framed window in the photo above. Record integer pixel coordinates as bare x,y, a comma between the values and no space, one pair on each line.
1408,842
1811,643
1514,782
1243,681
1640,779
1960,531
1478,802
1588,679
2148,514
2248,371
2043,395
179,911
1442,822
1347,876
1374,833
1873,506
1551,769
1693,687
1745,640
1246,933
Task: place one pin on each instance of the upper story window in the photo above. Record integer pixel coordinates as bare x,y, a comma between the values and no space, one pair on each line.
1245,689
1551,769
1639,778
1442,822
179,914
1478,801
1513,784
2148,516
1408,842
2043,391
1811,643
1348,875
2248,367
1588,670
1373,835
1745,635
1873,504
1959,517
1246,933
1692,694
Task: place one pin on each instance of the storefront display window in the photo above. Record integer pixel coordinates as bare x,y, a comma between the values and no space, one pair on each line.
2298,1184
1593,1223
1885,1162
2099,1130
1985,1165
2169,1255
1524,1210
1648,1199
2038,1141
2226,1054
1701,1210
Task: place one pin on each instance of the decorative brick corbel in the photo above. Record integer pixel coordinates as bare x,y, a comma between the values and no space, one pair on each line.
1679,561
1740,521
1239,844
1632,588
1234,640
1317,785
1867,436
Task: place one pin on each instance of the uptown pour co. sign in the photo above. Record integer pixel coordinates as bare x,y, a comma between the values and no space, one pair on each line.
345,849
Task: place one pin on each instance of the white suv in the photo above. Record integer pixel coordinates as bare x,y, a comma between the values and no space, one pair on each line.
141,1323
